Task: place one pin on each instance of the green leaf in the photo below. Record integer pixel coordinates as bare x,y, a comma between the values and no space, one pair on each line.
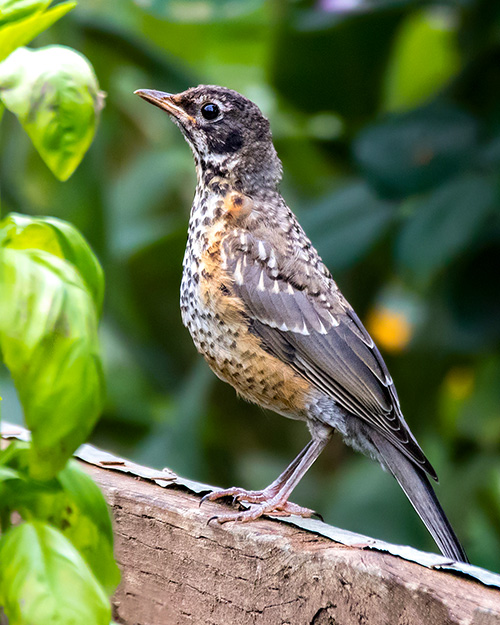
347,223
59,238
424,59
71,501
44,580
444,225
48,337
17,489
13,10
8,477
10,456
54,93
412,152
83,517
8,474
18,33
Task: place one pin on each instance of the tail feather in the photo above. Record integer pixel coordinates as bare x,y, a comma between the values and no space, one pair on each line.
419,491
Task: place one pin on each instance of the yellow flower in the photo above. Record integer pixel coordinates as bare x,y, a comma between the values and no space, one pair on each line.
390,328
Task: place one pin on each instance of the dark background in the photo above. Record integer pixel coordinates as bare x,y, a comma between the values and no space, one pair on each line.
387,118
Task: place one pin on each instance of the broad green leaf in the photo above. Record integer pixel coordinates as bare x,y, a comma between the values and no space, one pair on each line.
48,337
9,457
89,524
71,502
78,508
18,33
444,224
347,223
54,93
59,238
20,492
412,152
17,489
13,10
9,479
23,492
424,59
7,473
44,580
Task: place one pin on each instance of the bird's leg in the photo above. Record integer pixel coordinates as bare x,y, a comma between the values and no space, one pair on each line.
258,496
273,499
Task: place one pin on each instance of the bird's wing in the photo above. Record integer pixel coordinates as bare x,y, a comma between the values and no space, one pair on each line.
317,332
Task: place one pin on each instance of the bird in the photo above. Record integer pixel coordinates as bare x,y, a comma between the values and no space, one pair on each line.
268,317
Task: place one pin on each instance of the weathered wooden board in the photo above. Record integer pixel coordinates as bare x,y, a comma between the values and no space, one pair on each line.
177,569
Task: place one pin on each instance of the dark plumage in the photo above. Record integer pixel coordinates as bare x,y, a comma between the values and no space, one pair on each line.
269,318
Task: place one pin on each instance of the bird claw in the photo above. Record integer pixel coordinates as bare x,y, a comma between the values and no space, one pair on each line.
288,508
318,516
204,498
239,495
258,505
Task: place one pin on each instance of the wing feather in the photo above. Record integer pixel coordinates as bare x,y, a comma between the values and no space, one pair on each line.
321,337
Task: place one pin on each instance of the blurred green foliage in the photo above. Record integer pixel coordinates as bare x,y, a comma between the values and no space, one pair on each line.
387,119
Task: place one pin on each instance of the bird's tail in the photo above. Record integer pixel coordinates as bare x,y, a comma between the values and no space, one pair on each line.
419,491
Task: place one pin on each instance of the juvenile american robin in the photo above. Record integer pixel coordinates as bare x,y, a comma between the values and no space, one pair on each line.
270,320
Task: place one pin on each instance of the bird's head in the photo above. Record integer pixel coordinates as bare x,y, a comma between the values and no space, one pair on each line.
228,133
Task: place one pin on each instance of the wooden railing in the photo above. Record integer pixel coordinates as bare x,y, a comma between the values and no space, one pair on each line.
178,569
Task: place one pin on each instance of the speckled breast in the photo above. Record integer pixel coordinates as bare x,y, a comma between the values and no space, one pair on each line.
219,327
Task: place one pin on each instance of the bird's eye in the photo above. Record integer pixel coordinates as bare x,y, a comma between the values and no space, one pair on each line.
210,111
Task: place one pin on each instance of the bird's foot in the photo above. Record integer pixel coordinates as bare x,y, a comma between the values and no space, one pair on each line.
259,503
239,495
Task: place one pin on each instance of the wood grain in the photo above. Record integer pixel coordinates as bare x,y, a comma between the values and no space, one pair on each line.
179,570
